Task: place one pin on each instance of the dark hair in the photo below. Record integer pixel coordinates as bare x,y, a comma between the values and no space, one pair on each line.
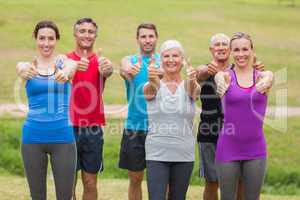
240,35
85,20
46,24
146,26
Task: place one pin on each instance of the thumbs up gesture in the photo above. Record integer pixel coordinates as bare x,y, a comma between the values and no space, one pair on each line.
153,73
222,80
190,71
60,76
212,68
258,65
27,70
159,71
134,69
83,63
104,65
264,81
192,87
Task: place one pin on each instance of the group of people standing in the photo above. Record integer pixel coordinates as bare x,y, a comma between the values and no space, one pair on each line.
66,116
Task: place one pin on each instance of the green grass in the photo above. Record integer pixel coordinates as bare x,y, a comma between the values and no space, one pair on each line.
283,175
109,189
273,26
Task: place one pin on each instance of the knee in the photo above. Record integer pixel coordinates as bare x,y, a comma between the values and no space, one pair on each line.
90,185
211,186
136,178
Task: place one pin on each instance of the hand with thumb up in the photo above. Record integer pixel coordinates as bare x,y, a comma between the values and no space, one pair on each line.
60,76
104,65
264,81
27,70
222,80
83,63
158,70
190,72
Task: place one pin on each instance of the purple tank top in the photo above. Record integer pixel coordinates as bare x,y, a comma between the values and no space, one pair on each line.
241,137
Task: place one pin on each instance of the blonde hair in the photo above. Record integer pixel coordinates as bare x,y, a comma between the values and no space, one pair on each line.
240,35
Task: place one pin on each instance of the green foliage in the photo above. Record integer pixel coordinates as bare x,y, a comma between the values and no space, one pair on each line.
10,158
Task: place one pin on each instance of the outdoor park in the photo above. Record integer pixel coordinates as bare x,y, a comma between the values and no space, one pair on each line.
273,25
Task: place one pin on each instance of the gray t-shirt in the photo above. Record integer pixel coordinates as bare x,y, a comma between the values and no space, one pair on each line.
170,137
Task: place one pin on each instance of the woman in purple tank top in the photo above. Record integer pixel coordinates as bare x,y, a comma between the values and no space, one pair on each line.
241,148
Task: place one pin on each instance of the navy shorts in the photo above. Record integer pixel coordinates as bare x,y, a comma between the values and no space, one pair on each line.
89,141
132,152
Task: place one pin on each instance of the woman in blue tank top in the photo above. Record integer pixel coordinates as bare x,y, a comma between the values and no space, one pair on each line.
47,130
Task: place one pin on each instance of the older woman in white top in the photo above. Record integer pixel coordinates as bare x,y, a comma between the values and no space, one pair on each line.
170,141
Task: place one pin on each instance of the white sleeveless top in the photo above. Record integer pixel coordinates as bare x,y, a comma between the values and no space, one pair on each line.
170,137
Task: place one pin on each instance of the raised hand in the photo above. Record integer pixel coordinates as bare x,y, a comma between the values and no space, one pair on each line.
160,70
212,68
60,76
27,70
264,81
190,71
153,74
83,63
258,65
104,64
222,80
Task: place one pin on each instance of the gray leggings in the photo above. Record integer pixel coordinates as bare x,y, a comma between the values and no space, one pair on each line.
176,174
251,173
63,163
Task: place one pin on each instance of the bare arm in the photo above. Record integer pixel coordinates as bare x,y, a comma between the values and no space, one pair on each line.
127,70
67,70
26,70
222,80
151,88
265,81
192,87
104,65
70,68
202,73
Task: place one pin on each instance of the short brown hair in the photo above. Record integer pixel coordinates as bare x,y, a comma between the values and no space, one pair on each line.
146,26
46,24
86,20
240,35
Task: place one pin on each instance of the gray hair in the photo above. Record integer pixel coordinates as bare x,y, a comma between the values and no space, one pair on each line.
218,36
171,44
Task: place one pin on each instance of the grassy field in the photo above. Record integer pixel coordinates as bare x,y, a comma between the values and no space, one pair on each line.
283,176
273,26
107,188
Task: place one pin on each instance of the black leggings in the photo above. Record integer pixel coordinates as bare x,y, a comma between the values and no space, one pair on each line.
250,172
63,164
161,174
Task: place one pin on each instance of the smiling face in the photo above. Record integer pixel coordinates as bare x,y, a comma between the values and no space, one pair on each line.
85,35
46,41
241,52
220,49
147,39
172,61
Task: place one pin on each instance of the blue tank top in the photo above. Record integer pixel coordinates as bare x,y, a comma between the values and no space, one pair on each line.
137,119
48,117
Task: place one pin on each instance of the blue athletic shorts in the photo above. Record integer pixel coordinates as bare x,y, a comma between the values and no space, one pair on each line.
89,143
